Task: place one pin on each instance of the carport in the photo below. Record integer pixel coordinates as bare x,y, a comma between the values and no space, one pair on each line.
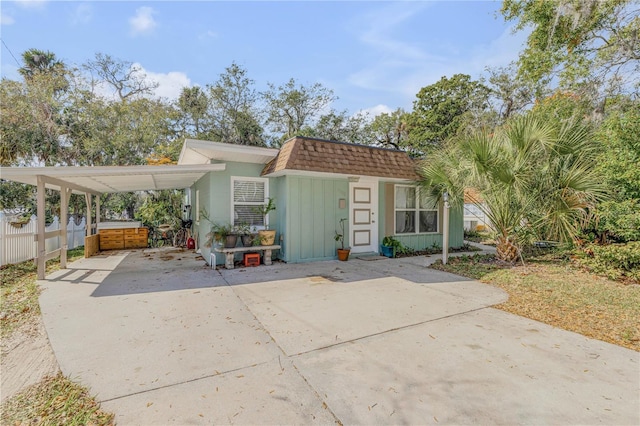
95,181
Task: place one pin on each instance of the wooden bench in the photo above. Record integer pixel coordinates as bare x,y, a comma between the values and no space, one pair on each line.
230,253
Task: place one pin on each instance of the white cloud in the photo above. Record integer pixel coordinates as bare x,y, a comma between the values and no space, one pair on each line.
32,4
375,111
405,67
82,14
6,19
169,85
380,25
142,22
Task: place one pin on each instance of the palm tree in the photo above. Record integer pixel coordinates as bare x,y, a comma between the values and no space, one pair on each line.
39,61
537,180
43,67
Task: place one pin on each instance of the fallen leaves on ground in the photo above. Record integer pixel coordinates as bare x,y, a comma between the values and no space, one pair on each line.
562,296
54,401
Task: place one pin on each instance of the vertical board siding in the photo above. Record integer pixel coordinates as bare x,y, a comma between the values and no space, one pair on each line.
319,227
306,231
293,220
312,217
331,205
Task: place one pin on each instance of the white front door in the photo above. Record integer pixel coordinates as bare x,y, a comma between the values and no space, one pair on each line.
363,216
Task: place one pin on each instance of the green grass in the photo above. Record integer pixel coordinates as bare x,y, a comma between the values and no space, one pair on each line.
551,289
55,400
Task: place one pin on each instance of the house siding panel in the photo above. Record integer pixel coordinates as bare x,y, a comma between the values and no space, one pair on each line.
215,198
312,217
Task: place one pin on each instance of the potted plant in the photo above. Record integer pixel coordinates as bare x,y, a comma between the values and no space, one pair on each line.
246,236
390,246
343,253
267,236
224,234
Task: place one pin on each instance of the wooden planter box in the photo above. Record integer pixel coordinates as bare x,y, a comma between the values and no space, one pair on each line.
117,239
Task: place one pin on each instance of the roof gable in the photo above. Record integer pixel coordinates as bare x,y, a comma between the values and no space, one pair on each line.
317,155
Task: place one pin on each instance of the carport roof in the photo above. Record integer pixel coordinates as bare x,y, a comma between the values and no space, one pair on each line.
109,179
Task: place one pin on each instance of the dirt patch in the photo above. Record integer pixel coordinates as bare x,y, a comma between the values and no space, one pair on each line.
27,358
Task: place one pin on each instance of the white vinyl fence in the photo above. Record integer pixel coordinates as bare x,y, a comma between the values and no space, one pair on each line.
18,244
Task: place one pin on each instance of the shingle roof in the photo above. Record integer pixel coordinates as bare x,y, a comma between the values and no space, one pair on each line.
317,155
472,196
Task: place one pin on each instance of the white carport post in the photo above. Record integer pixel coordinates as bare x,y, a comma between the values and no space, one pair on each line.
87,197
97,212
445,229
64,219
42,251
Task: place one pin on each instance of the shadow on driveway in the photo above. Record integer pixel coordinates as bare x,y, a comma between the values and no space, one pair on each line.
163,339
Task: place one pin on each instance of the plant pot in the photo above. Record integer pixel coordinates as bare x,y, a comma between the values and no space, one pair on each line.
343,254
247,240
387,251
267,237
230,241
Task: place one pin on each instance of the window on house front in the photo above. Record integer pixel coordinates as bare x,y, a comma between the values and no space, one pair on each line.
413,213
248,194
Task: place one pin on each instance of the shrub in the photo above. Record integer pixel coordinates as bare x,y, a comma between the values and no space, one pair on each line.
620,220
615,261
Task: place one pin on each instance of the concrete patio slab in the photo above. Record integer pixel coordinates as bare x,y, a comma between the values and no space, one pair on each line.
306,314
269,393
123,337
161,338
481,367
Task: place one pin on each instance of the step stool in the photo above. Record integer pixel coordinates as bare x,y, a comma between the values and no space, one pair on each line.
251,259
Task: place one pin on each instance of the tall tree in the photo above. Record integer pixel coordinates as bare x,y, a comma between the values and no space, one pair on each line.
588,44
120,133
193,104
340,126
444,108
537,179
390,130
233,108
126,79
30,127
510,93
292,106
38,61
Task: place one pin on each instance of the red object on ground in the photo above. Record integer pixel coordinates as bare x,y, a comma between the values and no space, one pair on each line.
251,259
191,243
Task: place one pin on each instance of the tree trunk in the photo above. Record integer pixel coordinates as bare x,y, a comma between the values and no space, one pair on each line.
506,249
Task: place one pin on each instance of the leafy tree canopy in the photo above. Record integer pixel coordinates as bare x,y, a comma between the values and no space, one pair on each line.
292,106
442,108
584,42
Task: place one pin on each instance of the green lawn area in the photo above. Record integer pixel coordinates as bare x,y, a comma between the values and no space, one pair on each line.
554,291
55,400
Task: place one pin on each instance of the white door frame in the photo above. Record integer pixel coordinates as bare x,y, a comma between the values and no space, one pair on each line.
363,216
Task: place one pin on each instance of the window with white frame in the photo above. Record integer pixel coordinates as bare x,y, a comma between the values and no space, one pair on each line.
413,214
247,195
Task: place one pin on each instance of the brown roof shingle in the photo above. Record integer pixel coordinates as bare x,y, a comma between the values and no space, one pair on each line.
317,155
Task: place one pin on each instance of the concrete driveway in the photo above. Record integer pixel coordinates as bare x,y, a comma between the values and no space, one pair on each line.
162,339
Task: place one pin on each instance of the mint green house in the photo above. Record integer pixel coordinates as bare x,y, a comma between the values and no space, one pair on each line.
315,183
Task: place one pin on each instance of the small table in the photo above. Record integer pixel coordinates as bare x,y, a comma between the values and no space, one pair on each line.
230,253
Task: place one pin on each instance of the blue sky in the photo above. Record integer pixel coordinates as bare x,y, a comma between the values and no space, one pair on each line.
375,56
